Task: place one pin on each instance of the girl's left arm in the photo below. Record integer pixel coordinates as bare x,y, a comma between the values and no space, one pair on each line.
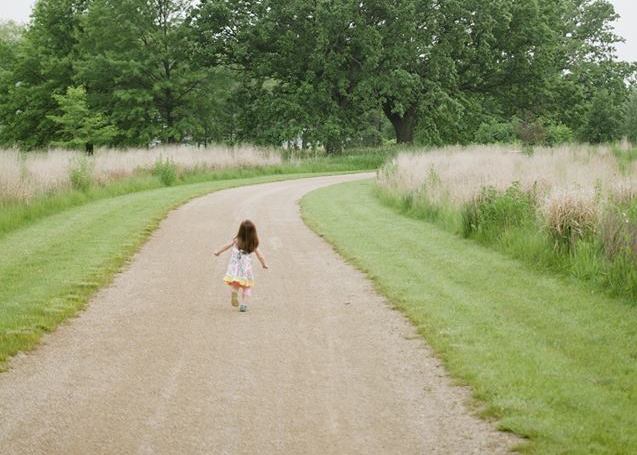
261,259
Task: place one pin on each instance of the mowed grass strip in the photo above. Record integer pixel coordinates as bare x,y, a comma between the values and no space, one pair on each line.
553,362
50,268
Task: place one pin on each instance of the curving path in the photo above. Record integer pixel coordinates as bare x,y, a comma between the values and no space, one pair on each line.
161,363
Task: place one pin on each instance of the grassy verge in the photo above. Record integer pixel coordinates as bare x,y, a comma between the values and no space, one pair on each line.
552,361
14,215
50,268
602,257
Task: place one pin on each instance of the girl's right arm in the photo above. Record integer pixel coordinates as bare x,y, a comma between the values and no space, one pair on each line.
224,248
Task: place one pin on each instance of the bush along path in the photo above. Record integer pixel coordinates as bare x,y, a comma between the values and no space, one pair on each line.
555,363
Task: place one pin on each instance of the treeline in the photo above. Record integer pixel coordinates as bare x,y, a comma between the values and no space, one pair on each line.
331,73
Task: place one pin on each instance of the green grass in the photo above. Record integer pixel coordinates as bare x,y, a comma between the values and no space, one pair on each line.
508,221
15,215
552,361
50,268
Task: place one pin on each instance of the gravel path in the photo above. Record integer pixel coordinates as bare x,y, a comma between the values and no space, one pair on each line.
160,362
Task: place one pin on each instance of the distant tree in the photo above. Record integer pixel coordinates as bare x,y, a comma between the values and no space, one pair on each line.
136,62
630,116
311,73
587,54
43,66
10,32
603,120
302,67
78,126
10,36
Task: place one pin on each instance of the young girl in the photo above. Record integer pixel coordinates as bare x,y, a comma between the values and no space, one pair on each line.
239,275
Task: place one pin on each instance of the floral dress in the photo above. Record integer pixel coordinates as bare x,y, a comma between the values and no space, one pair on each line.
239,273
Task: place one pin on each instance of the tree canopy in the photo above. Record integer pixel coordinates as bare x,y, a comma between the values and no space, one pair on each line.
331,73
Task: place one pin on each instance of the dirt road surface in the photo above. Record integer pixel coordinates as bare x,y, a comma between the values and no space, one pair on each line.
160,362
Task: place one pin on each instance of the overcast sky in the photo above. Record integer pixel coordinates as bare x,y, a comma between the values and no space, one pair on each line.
19,10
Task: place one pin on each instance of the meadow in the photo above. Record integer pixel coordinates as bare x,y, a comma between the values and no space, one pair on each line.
570,210
532,308
550,360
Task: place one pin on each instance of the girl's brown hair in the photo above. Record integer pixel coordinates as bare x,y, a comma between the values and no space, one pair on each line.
247,239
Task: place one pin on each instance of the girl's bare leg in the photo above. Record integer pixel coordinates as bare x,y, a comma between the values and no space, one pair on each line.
245,298
234,298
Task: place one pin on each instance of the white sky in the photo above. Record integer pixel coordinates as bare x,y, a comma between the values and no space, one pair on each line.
19,10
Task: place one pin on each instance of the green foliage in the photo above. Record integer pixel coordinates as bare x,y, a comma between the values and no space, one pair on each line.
44,65
530,131
493,132
493,212
314,74
618,239
138,57
629,113
557,134
81,174
78,126
603,120
166,170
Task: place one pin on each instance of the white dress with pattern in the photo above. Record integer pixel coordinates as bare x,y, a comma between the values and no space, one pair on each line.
239,272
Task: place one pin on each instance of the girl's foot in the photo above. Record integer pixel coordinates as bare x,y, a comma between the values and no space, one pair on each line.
234,300
243,307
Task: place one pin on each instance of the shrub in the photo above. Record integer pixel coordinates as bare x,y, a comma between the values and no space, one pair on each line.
603,121
495,132
81,173
493,212
166,170
530,132
557,134
569,219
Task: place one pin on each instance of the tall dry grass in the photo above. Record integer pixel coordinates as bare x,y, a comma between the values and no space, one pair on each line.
572,206
455,174
27,175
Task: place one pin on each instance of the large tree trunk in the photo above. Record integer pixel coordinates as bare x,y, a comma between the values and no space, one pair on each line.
404,125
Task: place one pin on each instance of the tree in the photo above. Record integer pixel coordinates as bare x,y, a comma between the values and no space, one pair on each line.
587,54
630,116
136,61
603,120
78,126
301,65
311,73
43,66
10,37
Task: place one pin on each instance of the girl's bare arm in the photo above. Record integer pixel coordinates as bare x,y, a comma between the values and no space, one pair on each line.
225,248
261,259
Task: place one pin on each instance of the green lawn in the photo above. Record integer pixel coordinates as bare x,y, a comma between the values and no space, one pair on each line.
552,361
49,268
